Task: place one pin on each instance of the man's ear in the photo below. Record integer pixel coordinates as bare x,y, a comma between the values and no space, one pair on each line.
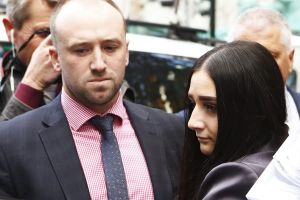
9,27
127,53
291,59
54,59
291,55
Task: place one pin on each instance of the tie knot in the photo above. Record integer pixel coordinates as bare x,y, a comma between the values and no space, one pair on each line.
103,124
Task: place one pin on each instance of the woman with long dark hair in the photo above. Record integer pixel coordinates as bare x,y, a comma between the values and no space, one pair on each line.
235,121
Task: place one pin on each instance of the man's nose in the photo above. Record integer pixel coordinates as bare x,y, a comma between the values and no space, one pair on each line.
98,62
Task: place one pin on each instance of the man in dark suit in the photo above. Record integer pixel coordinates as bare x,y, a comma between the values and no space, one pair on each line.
56,151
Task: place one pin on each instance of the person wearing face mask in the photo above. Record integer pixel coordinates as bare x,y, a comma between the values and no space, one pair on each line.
235,121
29,79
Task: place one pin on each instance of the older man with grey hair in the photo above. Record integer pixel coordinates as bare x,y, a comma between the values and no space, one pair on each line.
269,28
29,79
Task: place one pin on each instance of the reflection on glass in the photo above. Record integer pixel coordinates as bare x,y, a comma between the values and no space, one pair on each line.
159,80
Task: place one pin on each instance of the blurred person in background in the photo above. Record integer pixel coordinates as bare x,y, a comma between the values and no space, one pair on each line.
90,143
235,121
29,79
269,28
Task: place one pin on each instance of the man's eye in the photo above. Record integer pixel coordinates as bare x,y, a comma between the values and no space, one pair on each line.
43,33
81,51
275,54
110,48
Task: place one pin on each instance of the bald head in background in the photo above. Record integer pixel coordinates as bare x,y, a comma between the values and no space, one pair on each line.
270,29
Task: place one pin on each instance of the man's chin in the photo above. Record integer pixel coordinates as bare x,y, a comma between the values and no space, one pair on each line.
104,98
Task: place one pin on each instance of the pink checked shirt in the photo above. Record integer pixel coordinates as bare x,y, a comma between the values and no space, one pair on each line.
87,140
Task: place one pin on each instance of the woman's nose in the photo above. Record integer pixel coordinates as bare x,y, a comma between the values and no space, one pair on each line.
196,120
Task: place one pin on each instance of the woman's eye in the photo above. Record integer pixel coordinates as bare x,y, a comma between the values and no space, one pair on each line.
211,108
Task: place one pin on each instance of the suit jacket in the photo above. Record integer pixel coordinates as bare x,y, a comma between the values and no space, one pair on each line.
232,180
296,97
38,158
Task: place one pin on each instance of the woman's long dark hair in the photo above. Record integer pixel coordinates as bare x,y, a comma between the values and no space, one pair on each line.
250,104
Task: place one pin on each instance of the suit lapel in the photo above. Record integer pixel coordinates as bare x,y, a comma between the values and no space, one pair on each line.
59,145
296,98
148,134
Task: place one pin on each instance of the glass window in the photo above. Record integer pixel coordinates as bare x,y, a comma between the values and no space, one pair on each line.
159,80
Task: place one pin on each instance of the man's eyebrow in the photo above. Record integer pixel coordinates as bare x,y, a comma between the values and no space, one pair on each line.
78,44
113,40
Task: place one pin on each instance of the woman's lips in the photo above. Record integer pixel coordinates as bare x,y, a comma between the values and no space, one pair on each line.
203,139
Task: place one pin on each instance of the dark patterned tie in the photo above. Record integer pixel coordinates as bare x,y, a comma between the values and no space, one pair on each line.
111,158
